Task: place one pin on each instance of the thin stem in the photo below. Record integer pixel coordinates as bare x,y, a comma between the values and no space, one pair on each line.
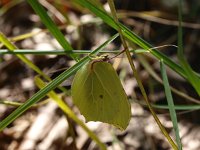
113,11
16,104
60,52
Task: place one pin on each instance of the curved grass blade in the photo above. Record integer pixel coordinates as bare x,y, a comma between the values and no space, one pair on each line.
191,76
50,86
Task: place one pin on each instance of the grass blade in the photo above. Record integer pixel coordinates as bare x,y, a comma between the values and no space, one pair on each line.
170,104
60,52
51,26
150,70
192,77
176,107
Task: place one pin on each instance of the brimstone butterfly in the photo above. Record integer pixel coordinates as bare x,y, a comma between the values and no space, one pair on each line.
99,95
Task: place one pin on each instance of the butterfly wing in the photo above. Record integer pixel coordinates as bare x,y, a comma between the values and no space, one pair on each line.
99,95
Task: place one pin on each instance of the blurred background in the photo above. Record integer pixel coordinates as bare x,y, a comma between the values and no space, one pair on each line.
45,127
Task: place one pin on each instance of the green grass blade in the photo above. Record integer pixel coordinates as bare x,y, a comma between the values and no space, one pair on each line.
192,77
52,85
51,26
178,107
60,52
131,36
153,74
171,104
